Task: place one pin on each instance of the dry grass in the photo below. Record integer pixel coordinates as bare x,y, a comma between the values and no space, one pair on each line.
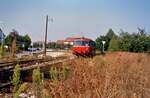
115,75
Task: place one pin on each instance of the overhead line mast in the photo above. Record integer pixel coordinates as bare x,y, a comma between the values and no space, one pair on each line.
46,35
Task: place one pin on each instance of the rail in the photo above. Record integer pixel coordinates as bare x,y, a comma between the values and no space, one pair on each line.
24,63
35,65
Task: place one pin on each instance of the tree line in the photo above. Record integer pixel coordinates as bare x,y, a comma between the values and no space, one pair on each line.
15,42
125,41
22,41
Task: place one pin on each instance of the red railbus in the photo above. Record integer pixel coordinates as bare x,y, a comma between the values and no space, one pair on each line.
84,47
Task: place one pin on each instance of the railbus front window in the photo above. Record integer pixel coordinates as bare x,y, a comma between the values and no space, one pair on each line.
81,43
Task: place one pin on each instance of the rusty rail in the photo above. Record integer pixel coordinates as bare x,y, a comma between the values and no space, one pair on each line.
25,63
43,64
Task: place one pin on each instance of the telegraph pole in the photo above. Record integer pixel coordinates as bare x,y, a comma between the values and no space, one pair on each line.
46,35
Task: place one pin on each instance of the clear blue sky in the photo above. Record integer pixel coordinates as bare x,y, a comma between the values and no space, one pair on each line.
71,17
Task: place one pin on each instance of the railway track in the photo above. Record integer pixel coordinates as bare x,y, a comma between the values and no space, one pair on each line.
48,63
11,65
26,63
32,64
2,64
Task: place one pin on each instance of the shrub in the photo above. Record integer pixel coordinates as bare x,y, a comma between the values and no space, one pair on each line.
16,80
114,44
54,74
37,82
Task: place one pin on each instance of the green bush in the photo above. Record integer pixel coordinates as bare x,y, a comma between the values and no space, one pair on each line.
114,44
1,50
16,80
132,42
59,73
37,82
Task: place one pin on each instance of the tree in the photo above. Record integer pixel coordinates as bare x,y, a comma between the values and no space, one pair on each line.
17,40
13,47
11,40
114,44
138,41
110,34
99,44
147,44
135,42
137,46
125,41
141,31
26,41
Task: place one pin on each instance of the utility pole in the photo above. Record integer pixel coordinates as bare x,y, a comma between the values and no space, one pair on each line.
46,35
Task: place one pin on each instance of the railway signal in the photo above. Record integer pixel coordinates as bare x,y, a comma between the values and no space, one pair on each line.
103,42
